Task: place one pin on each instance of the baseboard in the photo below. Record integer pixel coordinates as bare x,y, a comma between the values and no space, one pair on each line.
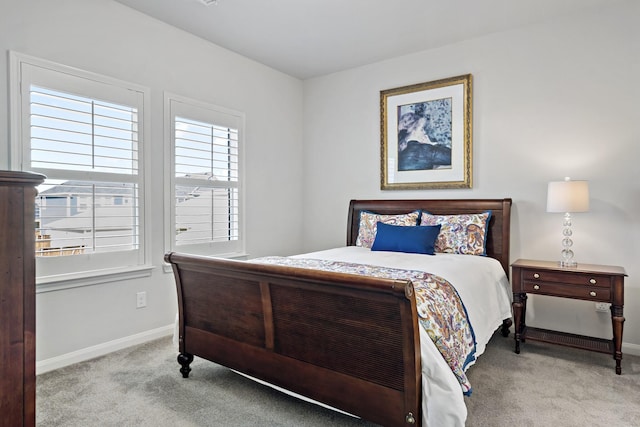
633,349
92,352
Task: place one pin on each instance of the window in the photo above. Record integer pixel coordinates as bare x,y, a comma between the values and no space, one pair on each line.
205,145
84,132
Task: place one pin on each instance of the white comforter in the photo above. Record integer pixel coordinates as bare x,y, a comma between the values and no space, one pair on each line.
486,294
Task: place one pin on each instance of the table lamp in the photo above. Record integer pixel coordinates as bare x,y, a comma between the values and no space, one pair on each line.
567,196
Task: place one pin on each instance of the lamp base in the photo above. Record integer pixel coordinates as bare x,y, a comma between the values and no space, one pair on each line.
567,263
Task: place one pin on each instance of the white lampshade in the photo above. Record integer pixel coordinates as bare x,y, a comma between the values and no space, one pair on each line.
568,196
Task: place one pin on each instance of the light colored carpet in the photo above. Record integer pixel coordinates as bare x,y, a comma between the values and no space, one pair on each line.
545,385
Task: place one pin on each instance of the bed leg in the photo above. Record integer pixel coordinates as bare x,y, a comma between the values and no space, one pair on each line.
185,359
506,324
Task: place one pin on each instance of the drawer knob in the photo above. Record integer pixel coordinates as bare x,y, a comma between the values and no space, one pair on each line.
536,276
536,287
592,293
410,419
593,281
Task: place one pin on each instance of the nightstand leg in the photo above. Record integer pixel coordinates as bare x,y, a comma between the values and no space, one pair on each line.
617,321
519,307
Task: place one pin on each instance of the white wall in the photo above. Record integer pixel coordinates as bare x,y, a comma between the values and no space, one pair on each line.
551,100
106,37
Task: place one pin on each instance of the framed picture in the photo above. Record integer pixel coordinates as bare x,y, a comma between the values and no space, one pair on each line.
425,132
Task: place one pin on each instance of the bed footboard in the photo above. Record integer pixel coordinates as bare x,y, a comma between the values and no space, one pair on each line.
351,342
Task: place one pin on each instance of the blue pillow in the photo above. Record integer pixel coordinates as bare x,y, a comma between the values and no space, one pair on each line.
410,239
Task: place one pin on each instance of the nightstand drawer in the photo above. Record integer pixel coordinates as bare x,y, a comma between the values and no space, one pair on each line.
589,293
567,278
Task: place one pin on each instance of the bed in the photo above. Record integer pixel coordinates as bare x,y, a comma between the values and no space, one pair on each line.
348,340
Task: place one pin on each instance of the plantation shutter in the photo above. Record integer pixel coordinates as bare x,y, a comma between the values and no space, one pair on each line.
206,179
98,141
86,133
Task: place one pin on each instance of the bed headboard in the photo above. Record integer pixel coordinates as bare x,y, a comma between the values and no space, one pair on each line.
499,226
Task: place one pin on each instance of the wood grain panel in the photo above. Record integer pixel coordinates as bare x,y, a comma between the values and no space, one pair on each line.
224,305
17,298
348,334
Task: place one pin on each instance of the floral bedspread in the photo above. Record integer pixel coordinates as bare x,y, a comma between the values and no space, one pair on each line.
440,309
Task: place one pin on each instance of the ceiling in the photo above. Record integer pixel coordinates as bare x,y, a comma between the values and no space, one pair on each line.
309,38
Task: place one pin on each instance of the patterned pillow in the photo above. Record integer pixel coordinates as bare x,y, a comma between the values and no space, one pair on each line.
460,234
369,221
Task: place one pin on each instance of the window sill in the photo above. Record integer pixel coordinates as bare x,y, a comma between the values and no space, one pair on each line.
89,278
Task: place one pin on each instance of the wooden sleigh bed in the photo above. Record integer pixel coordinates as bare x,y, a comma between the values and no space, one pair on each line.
348,341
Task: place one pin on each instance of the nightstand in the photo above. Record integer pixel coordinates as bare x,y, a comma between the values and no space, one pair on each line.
590,282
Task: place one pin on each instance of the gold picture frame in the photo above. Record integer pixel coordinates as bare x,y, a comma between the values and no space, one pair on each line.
425,132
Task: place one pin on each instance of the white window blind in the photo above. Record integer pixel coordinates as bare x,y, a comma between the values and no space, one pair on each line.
76,133
78,217
70,132
84,133
205,146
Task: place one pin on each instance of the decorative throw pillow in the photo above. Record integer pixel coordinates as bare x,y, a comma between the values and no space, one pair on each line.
369,221
460,234
410,239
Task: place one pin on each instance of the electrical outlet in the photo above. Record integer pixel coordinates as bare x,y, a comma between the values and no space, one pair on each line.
603,306
141,299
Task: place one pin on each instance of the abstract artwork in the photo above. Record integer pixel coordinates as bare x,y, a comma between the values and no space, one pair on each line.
426,135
